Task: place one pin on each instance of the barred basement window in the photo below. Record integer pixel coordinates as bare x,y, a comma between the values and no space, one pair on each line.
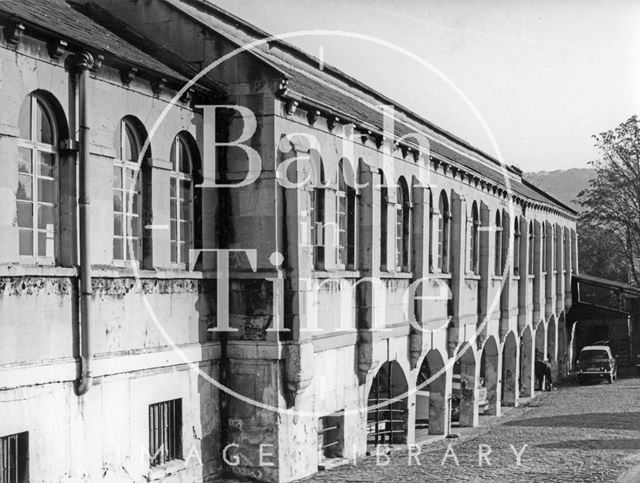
165,432
331,436
14,458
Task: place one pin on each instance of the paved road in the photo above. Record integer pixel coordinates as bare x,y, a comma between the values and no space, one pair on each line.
579,434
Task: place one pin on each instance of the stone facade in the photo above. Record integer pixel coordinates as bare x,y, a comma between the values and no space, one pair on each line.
385,265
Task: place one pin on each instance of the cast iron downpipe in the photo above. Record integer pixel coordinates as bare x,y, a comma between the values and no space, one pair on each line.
84,62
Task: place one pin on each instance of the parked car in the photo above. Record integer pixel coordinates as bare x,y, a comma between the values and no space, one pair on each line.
597,362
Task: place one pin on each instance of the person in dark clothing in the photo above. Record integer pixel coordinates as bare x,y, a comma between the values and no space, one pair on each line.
540,371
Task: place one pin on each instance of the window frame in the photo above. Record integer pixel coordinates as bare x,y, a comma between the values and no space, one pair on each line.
403,227
34,148
531,249
498,266
178,177
474,241
124,166
444,234
516,247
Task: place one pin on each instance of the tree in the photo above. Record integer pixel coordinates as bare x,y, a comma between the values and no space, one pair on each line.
610,222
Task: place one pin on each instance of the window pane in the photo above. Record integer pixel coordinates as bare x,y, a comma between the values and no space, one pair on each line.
131,179
117,202
45,244
25,215
130,146
184,157
172,188
185,211
184,253
184,231
173,230
25,119
117,225
185,189
135,204
118,252
117,177
174,252
47,164
44,126
26,242
132,248
46,191
173,209
46,218
24,160
24,187
133,225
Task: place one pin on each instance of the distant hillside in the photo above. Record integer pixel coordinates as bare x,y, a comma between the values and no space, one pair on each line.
562,184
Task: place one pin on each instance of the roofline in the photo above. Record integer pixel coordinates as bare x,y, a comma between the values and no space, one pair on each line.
256,31
552,198
47,32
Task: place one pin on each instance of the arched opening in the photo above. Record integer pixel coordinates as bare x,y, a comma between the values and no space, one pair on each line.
387,420
464,410
488,402
540,354
526,363
510,371
552,354
431,401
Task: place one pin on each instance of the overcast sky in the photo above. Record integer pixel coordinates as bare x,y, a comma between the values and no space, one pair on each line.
545,75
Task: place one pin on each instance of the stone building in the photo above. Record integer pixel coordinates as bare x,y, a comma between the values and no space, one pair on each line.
382,271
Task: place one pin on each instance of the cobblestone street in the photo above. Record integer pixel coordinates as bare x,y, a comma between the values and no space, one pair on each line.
578,433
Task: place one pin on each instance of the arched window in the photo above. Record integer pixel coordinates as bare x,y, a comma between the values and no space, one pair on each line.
37,193
474,240
403,224
317,217
384,220
346,213
498,245
554,247
181,199
544,246
444,232
531,248
127,195
516,246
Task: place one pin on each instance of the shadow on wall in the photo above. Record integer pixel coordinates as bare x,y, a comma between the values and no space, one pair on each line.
589,420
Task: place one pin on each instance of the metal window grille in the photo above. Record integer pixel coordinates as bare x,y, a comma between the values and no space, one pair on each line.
14,456
165,432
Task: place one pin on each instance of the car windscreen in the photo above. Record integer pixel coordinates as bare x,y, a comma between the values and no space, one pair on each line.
593,354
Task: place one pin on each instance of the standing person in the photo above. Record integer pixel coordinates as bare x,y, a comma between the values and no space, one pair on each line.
547,374
540,369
